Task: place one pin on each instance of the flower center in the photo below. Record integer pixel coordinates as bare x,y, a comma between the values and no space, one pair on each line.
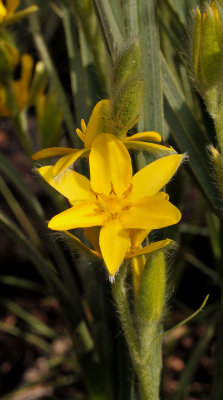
112,204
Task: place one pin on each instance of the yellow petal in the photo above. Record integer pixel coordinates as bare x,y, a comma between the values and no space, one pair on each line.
66,161
80,134
52,152
147,136
110,165
150,179
137,236
92,234
80,216
70,184
152,148
82,247
114,242
27,63
11,6
83,125
150,213
137,264
149,249
3,12
97,122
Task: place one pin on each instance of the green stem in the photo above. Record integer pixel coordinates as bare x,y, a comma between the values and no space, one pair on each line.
43,50
142,370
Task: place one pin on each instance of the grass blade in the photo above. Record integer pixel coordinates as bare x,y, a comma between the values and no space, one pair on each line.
189,136
53,75
130,16
110,30
21,283
29,337
153,97
34,324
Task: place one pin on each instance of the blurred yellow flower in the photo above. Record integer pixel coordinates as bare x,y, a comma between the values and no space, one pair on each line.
21,87
8,14
126,207
98,124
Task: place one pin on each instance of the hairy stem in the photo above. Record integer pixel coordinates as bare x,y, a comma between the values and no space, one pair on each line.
141,368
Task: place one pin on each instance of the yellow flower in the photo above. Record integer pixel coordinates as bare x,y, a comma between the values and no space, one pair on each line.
134,250
136,253
8,8
21,87
98,124
113,199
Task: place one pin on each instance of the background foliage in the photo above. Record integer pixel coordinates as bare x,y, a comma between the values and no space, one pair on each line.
77,42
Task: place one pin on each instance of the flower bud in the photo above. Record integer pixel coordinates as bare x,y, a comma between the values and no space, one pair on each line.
207,46
9,55
126,107
137,264
126,94
151,293
126,65
217,161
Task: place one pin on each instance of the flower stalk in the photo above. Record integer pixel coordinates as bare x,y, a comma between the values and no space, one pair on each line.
120,296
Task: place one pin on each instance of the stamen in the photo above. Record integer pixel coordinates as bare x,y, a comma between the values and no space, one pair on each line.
126,193
112,189
99,210
125,208
114,215
95,193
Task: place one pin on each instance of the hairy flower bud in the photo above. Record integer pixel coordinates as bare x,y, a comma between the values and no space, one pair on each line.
151,293
126,107
217,161
126,90
126,65
207,46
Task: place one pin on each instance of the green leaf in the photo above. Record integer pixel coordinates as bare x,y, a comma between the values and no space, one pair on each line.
149,35
34,324
49,119
109,26
44,267
22,283
38,221
29,337
189,136
11,173
52,73
130,16
78,85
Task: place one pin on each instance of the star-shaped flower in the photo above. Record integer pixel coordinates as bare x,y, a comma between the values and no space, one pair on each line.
99,123
115,200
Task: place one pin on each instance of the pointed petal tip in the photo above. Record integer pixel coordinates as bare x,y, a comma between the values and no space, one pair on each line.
51,225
